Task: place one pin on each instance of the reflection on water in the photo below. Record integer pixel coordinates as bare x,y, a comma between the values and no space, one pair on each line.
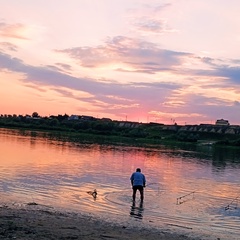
137,211
194,188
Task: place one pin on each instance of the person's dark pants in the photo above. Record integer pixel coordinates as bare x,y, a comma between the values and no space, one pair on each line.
135,188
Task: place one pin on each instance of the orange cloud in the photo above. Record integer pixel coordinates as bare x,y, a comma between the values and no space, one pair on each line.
12,30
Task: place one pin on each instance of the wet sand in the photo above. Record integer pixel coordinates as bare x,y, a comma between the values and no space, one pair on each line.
33,223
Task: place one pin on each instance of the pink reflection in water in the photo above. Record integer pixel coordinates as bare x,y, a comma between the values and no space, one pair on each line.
60,174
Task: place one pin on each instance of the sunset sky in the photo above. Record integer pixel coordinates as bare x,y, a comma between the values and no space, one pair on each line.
136,60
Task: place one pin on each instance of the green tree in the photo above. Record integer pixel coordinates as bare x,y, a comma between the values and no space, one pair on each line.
35,114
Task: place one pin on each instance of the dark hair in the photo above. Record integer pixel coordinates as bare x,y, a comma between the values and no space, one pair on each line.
138,170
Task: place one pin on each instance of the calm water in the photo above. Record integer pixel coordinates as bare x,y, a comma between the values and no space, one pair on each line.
196,190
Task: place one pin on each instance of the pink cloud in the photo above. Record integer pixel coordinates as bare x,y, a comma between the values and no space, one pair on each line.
8,46
138,55
12,30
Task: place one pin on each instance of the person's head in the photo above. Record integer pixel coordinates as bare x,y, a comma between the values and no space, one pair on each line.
138,170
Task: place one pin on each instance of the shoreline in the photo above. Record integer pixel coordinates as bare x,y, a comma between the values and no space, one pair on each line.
33,223
119,140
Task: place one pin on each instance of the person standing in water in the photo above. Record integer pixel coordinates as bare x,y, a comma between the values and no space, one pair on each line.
138,182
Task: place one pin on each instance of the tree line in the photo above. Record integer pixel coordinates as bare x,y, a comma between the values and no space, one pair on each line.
150,132
65,123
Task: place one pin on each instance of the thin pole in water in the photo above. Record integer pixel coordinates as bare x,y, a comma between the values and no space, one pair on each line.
188,194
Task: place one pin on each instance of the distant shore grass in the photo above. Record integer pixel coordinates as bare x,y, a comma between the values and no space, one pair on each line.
165,138
85,137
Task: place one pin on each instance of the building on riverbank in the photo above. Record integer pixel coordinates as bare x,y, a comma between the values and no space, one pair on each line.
222,122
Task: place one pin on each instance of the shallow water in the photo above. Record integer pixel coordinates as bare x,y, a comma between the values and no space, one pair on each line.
194,190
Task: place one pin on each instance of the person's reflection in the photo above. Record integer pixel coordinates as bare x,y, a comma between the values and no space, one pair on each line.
137,212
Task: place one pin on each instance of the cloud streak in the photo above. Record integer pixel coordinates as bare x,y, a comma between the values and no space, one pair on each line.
135,55
12,30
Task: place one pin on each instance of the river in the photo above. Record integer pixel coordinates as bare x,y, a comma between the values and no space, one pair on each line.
195,190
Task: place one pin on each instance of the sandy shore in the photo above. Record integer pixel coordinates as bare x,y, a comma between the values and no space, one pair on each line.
32,223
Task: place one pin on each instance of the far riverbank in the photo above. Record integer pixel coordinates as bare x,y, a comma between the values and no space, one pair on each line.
83,128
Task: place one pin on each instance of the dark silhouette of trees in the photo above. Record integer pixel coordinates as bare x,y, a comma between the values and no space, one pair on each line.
35,115
107,127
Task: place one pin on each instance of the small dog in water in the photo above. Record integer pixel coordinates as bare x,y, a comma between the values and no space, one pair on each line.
93,193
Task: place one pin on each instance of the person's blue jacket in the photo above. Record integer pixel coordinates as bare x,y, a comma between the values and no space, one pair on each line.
138,179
